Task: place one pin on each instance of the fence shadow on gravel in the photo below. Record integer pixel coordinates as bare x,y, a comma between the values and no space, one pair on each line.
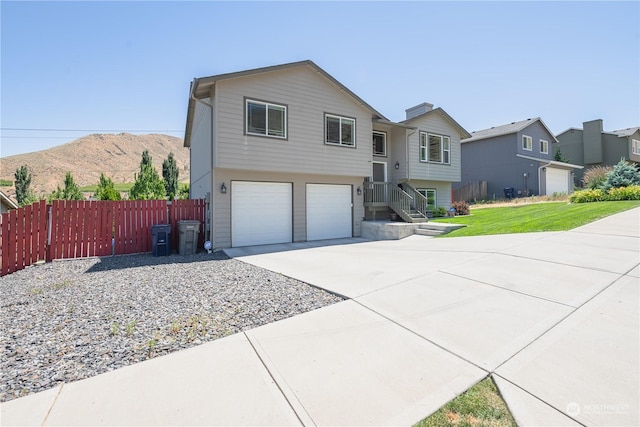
122,262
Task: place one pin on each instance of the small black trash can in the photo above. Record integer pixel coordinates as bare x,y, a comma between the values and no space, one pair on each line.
509,192
161,239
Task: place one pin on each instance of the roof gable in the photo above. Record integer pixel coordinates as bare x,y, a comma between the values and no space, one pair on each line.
201,88
513,127
463,131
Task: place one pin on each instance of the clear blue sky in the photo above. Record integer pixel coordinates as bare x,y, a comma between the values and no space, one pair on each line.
106,67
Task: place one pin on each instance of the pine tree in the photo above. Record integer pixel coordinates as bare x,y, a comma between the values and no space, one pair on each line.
170,174
106,189
71,190
22,182
148,185
622,175
558,157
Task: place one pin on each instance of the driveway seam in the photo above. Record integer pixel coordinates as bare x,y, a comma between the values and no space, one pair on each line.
563,319
255,350
507,289
422,337
537,398
55,399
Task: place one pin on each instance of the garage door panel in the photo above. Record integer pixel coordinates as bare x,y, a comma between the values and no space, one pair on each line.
261,213
557,181
329,211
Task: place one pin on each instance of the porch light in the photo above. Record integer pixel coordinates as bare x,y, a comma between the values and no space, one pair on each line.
359,191
223,188
397,165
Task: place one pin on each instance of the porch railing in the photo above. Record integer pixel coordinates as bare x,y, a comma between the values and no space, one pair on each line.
420,202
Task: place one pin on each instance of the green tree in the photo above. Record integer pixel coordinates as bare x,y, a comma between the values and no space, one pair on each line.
183,193
622,175
107,189
148,185
559,157
24,195
170,174
71,190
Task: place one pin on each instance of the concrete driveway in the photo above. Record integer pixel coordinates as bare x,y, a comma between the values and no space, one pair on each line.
553,317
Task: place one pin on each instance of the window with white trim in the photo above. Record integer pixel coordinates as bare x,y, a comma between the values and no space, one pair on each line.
430,194
635,146
527,143
435,148
379,143
340,130
266,119
544,146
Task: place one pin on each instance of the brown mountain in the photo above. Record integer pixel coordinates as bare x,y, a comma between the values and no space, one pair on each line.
118,156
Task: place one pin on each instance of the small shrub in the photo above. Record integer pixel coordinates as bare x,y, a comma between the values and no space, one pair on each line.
462,207
586,196
595,177
439,212
631,192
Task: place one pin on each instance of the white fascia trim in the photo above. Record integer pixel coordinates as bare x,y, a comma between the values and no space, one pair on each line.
551,162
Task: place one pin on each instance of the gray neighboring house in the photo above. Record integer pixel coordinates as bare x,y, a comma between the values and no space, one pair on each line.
287,154
517,156
592,146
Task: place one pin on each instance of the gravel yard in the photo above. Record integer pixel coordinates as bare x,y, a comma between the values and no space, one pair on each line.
73,319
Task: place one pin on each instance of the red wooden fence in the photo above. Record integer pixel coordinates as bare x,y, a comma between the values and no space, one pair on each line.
77,229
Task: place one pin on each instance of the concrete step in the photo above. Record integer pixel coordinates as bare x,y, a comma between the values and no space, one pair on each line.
436,228
426,232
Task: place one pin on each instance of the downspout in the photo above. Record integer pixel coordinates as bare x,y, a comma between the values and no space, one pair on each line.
211,194
540,179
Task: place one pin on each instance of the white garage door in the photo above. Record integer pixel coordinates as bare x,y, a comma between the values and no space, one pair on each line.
261,213
328,211
557,181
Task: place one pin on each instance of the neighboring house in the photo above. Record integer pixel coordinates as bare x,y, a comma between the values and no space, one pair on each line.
592,146
287,153
515,160
6,204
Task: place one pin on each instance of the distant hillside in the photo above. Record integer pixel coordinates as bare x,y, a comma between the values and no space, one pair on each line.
118,156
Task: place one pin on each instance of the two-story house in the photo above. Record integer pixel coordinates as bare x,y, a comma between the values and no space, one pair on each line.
592,146
515,159
287,153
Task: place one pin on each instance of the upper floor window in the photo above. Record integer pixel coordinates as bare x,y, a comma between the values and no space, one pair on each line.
340,130
435,148
527,143
544,146
379,143
266,119
635,146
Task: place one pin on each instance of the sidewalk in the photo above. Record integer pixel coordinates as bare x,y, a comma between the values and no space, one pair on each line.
553,316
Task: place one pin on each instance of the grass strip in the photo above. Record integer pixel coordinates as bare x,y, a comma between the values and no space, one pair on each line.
550,216
480,406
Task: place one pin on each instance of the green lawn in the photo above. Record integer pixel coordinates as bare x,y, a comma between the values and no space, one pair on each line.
552,216
122,187
481,405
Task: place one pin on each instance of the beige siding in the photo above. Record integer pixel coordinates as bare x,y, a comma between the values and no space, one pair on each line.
307,95
221,208
434,123
443,191
200,151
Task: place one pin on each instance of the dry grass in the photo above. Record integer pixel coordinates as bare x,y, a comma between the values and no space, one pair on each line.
519,201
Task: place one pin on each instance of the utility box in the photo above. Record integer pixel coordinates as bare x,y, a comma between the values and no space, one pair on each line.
189,233
161,239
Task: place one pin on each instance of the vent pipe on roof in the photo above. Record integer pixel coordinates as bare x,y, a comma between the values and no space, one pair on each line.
418,109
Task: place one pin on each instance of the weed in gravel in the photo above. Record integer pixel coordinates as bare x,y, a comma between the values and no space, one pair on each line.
66,283
151,344
131,327
175,327
36,291
115,328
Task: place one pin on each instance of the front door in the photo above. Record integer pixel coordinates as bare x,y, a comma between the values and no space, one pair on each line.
379,172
